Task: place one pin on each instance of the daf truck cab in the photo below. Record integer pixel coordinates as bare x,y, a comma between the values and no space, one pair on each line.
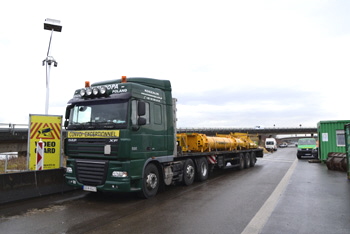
114,129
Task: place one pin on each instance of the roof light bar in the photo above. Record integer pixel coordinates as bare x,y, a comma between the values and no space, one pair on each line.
93,92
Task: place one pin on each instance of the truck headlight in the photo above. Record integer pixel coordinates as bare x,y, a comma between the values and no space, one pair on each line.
82,92
69,170
95,91
88,91
103,90
119,174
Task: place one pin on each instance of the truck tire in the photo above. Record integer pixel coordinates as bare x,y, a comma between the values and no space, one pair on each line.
241,161
202,169
247,160
189,172
150,183
252,159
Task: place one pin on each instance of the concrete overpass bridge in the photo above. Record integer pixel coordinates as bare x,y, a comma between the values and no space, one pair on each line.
14,137
260,131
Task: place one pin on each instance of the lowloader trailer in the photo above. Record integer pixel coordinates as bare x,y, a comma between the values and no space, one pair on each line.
121,137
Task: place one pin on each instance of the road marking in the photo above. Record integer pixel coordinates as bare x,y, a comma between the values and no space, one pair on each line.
259,220
276,160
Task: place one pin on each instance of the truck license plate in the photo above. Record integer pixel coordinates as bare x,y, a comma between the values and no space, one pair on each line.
89,188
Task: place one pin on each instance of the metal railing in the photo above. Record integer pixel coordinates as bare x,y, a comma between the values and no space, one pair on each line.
10,162
13,128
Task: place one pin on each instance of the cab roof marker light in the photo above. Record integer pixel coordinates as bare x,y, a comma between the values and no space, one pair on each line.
87,84
123,79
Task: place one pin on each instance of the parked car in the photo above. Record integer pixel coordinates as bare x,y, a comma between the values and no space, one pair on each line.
283,145
307,147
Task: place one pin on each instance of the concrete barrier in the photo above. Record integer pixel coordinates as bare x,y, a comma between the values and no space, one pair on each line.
29,184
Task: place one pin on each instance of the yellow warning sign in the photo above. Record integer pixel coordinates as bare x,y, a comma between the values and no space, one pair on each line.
48,129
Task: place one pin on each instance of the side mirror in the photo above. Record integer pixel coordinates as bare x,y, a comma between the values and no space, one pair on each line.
141,121
68,109
66,123
141,108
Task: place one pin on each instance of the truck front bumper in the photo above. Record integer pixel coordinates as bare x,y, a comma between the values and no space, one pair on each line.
120,185
304,152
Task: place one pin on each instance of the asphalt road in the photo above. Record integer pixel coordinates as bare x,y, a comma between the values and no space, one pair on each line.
279,195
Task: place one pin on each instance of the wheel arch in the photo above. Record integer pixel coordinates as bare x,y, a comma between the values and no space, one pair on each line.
157,163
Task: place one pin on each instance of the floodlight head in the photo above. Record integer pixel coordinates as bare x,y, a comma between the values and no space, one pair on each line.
51,24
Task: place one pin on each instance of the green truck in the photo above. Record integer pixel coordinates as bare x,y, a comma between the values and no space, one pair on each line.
121,137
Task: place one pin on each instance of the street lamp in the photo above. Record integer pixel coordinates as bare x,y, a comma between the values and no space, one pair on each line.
52,25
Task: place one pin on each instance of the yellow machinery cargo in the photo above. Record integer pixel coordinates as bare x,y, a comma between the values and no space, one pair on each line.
197,142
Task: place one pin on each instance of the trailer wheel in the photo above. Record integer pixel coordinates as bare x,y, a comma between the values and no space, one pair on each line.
150,183
189,172
247,160
252,159
203,169
241,161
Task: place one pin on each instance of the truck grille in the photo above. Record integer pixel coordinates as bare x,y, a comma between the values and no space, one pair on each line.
89,147
91,172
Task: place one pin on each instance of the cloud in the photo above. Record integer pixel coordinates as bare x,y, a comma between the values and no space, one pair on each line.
247,107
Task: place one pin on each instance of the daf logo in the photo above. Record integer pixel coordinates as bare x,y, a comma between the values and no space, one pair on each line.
113,140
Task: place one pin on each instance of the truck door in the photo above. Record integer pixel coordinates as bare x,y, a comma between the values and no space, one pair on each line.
151,136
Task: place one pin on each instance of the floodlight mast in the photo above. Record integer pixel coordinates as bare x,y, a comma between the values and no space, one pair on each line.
52,25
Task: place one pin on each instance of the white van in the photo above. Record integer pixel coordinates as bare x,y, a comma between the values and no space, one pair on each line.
271,144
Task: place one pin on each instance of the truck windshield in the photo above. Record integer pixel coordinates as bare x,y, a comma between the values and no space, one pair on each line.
97,115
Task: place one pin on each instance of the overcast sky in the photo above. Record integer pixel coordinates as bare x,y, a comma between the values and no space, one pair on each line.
231,63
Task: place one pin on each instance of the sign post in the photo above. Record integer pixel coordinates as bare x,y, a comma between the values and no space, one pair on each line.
40,155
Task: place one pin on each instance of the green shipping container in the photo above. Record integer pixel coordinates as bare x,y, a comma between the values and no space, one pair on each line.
331,137
347,143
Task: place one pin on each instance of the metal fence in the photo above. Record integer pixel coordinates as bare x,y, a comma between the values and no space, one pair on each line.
11,163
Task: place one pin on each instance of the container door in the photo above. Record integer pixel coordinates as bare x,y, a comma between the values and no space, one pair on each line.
347,145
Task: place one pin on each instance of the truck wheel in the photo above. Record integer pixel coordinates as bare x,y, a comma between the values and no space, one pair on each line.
189,172
202,170
241,161
252,159
247,160
150,182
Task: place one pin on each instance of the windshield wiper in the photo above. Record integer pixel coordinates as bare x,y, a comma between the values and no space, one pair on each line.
106,124
96,125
